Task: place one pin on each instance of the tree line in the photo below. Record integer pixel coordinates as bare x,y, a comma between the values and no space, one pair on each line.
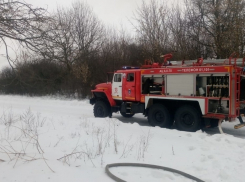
70,50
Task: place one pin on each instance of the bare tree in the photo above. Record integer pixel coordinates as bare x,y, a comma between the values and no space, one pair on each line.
59,45
87,30
217,25
88,34
74,41
75,35
21,22
152,28
180,41
116,49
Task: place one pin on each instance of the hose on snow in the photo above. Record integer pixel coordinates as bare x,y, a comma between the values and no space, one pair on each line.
108,166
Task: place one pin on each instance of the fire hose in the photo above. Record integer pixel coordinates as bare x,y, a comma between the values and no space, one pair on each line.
108,166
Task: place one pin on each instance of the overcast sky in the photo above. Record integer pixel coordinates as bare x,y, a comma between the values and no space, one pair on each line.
111,12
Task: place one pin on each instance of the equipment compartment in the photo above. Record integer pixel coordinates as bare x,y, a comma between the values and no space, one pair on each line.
218,106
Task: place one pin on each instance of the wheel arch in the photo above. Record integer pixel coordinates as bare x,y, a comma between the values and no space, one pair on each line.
101,95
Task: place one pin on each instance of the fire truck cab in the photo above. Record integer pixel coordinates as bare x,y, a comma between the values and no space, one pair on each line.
194,95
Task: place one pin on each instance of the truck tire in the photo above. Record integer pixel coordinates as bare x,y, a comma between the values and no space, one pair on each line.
188,118
126,115
159,116
101,109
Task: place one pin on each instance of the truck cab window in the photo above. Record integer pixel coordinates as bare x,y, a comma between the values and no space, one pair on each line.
130,77
117,77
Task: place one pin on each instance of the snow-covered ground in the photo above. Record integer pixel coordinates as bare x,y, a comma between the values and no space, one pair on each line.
48,139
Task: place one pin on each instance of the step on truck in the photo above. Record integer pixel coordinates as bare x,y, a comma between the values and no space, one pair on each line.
192,94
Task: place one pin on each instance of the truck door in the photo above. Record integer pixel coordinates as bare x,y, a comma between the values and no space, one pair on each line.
129,86
117,86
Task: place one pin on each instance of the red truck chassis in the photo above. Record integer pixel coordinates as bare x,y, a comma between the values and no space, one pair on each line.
192,94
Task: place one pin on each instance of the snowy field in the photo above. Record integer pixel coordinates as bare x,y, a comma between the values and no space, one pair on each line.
48,139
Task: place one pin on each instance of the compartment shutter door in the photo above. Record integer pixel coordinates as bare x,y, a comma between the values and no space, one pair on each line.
180,84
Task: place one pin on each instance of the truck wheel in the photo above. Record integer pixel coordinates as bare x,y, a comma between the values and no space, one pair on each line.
126,115
101,109
159,116
187,118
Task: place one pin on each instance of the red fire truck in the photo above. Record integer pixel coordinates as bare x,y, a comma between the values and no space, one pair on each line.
193,94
